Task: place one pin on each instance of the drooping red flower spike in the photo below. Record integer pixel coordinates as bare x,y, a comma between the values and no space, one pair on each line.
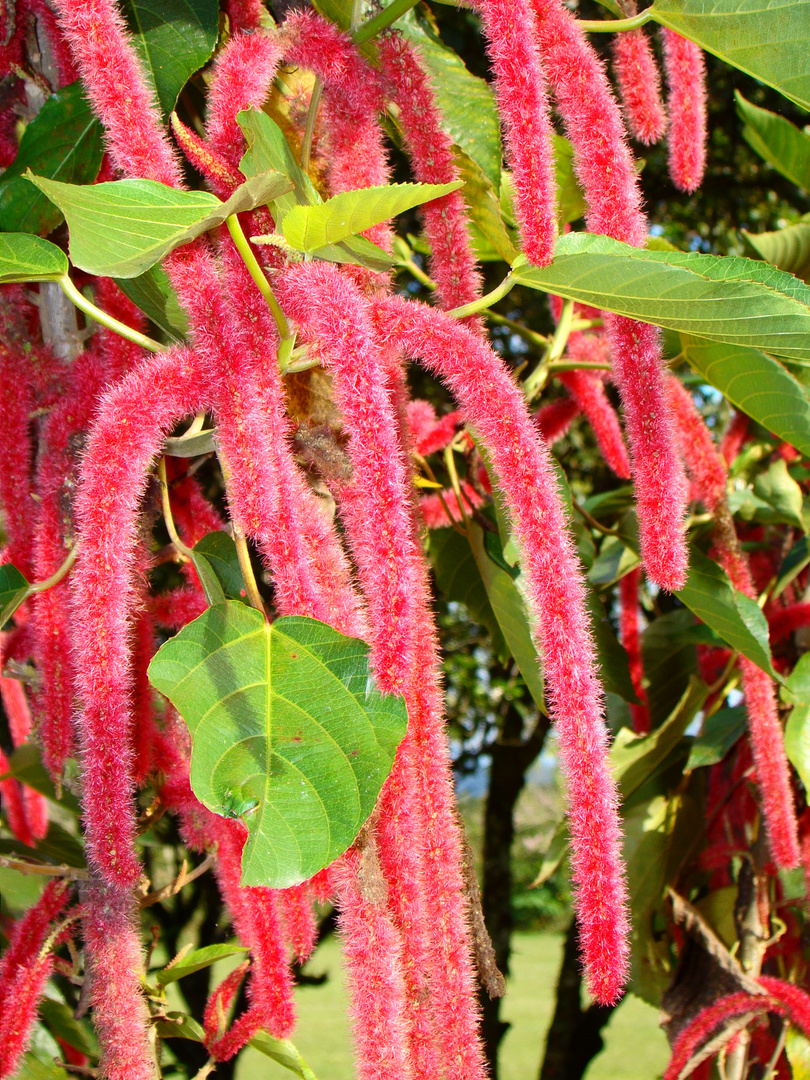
133,419
707,1020
734,437
639,86
555,417
16,489
491,402
24,972
114,968
784,621
520,88
703,462
18,716
452,263
588,391
117,89
604,167
13,801
685,70
765,728
222,176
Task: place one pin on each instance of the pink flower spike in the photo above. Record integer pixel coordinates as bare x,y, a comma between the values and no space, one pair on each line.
766,735
114,965
220,173
492,403
246,15
639,86
703,1025
685,71
520,87
243,77
119,451
452,263
589,392
555,417
792,998
734,437
631,639
660,484
117,89
703,462
16,406
427,432
783,622
13,802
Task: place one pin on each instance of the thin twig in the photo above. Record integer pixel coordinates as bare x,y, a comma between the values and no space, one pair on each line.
179,882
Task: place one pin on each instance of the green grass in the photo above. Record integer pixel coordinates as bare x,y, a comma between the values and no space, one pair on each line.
635,1047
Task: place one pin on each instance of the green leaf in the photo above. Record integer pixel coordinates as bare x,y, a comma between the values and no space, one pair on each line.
720,732
775,139
120,229
25,765
289,732
723,298
357,250
459,580
758,385
59,1020
32,1068
796,692
484,205
64,142
284,1052
769,39
510,611
268,150
657,833
13,590
555,853
614,666
797,1048
24,257
466,103
152,292
217,564
197,960
778,488
307,228
634,758
787,248
794,562
614,560
19,891
738,620
571,203
177,1025
174,38
668,651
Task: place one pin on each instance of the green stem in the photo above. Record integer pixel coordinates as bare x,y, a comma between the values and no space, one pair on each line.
183,549
54,579
90,309
498,293
420,275
556,347
577,365
613,26
243,555
312,114
258,275
528,335
382,19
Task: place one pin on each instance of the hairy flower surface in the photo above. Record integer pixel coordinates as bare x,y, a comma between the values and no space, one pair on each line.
639,86
685,71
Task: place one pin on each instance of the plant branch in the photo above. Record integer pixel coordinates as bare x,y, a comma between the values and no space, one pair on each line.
22,866
182,548
56,577
243,555
182,879
89,308
312,115
382,19
614,26
490,298
258,275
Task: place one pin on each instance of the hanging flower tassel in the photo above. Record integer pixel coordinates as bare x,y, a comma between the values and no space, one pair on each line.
639,86
685,70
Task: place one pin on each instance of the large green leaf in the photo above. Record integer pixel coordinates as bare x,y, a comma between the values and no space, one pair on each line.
465,102
308,228
284,1052
289,732
738,620
777,487
217,565
13,590
755,383
24,257
775,139
484,206
614,665
174,38
152,292
60,1021
122,228
459,580
787,248
670,659
510,611
197,960
64,142
268,150
769,39
796,692
721,298
719,733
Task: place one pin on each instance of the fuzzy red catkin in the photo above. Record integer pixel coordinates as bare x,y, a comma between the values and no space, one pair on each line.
783,622
18,715
429,433
734,437
520,88
589,392
114,965
703,1025
133,419
703,462
604,167
117,89
492,403
376,508
13,802
766,736
639,86
555,417
685,70
16,406
451,261
23,973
